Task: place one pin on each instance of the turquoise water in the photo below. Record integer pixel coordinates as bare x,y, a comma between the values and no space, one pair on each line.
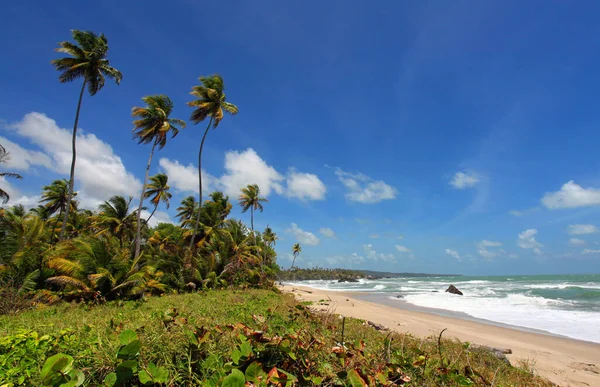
567,305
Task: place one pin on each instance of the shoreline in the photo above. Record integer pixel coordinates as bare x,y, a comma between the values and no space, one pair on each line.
562,360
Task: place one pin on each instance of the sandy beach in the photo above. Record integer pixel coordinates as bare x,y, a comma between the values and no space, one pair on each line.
563,361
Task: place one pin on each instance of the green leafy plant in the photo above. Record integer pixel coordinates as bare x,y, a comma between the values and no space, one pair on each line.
58,371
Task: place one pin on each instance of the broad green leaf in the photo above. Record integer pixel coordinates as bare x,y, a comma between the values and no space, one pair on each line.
110,380
127,337
130,351
234,379
125,371
54,368
246,349
236,355
254,372
355,379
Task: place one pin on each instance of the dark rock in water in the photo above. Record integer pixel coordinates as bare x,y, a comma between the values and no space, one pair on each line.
434,291
452,289
399,296
347,280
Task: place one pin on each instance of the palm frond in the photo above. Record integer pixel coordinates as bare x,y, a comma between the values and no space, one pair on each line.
30,282
64,281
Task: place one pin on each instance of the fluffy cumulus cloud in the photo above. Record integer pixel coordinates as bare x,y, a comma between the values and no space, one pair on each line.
99,172
576,242
327,232
304,186
590,251
454,254
16,198
571,195
488,249
526,240
22,159
405,251
185,177
581,229
363,189
303,237
345,260
462,180
243,168
373,255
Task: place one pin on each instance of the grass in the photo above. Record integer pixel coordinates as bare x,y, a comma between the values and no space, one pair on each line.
233,337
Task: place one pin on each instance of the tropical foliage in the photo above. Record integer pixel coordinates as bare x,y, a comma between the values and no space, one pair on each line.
4,157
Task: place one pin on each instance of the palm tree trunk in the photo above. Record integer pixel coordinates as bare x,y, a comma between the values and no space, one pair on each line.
72,175
138,235
200,183
294,261
54,227
153,211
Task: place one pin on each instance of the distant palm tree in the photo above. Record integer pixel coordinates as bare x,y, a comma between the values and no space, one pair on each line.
115,218
158,191
296,250
269,237
56,197
42,212
187,211
250,200
210,102
87,60
4,157
153,126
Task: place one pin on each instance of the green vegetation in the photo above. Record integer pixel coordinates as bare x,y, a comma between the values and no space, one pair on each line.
4,157
317,273
229,337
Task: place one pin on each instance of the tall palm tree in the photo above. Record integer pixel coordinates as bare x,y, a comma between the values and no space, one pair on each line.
153,126
250,200
187,211
56,197
158,191
4,157
270,238
296,250
211,102
87,60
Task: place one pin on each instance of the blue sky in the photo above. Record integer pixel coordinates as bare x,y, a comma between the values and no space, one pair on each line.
449,137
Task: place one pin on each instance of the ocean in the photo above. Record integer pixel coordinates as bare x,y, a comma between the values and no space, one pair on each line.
565,305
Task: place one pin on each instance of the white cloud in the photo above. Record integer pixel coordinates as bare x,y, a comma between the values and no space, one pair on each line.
523,212
526,240
576,242
582,229
158,217
304,186
185,178
241,169
483,248
304,237
590,251
99,172
244,168
22,159
454,253
16,198
375,256
345,260
364,189
374,236
327,232
572,195
403,249
462,180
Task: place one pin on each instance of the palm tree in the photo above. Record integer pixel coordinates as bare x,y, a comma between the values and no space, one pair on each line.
87,60
4,157
250,199
153,126
270,238
158,191
187,211
56,197
211,103
296,250
115,218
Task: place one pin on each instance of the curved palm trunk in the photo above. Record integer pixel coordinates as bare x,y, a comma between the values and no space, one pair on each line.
72,175
55,224
153,211
138,235
294,261
200,183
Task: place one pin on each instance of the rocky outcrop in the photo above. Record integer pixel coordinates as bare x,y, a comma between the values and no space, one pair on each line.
347,280
452,289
